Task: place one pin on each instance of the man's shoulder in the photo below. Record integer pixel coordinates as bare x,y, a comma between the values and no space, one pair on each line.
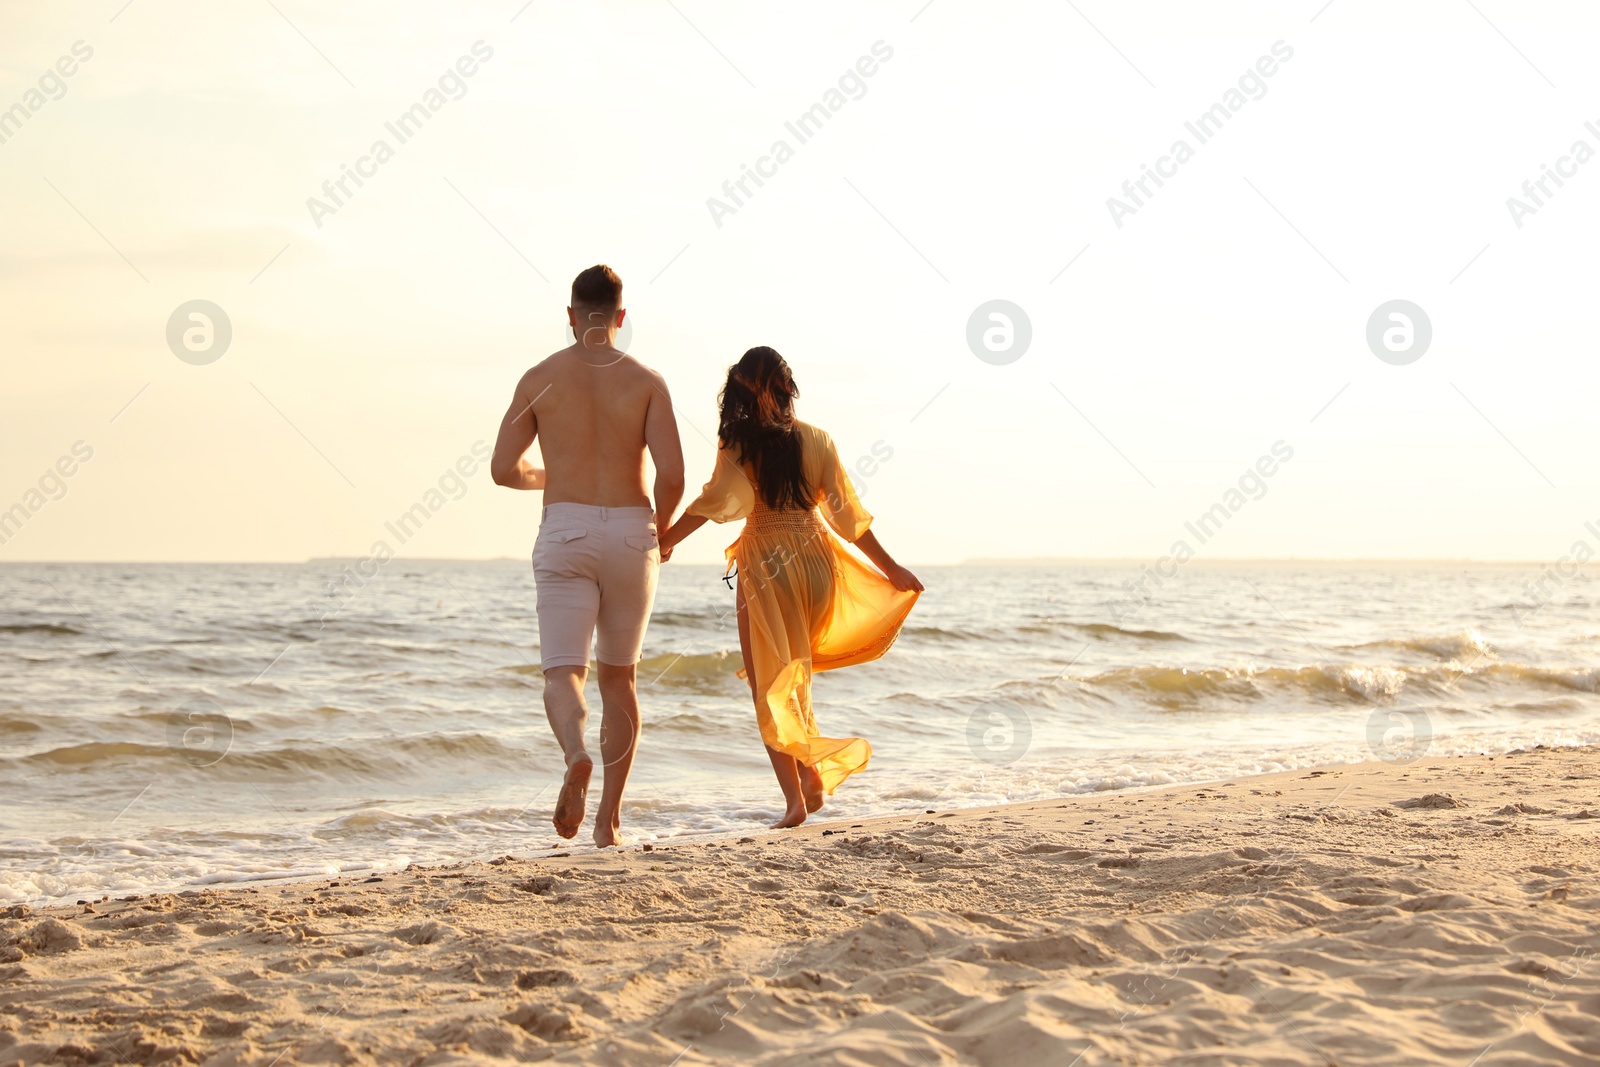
627,369
544,369
643,372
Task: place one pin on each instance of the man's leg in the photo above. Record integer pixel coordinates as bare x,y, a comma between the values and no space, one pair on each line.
619,738
565,573
627,591
564,707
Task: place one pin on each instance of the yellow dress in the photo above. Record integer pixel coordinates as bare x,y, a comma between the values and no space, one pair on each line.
812,605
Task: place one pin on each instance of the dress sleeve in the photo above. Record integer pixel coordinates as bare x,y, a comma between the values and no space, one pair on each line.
728,496
837,497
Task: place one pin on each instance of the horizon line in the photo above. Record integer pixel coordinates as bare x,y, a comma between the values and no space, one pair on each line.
974,561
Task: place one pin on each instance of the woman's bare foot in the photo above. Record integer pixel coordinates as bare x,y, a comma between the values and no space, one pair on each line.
811,788
793,817
573,801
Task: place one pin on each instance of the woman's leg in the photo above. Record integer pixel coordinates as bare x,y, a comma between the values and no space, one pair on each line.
822,578
785,766
811,788
787,769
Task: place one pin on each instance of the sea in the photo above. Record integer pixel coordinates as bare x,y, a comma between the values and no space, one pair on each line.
171,726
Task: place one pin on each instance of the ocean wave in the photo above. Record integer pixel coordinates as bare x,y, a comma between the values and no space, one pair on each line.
164,658
1172,686
380,758
939,633
1466,644
709,673
1102,631
1107,630
521,668
289,719
706,673
40,628
1581,679
690,723
716,619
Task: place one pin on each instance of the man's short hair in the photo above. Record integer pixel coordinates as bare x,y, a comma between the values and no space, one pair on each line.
597,287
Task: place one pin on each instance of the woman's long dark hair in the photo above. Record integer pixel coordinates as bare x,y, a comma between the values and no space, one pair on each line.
757,404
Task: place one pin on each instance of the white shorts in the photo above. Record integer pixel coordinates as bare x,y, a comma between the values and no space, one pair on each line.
595,570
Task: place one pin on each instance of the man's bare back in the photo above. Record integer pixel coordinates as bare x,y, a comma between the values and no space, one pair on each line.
594,411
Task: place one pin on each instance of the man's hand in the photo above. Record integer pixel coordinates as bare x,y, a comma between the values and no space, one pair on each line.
510,466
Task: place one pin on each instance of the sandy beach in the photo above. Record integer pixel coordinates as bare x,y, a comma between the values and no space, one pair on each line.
1441,912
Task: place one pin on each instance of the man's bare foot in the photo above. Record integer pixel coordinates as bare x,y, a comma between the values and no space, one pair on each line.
607,827
793,817
570,805
811,788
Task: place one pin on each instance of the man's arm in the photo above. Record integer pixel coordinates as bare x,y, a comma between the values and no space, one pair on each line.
666,452
510,466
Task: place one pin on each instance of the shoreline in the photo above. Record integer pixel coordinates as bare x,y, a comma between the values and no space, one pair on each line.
1365,913
542,831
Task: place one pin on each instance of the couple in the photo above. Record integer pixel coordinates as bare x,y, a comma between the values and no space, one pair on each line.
804,603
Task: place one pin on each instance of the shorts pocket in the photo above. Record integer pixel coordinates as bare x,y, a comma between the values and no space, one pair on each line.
643,543
546,544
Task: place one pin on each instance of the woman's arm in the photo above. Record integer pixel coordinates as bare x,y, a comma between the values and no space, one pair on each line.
686,525
898,576
726,497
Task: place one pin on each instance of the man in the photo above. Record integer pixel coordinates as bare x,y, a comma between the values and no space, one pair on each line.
595,411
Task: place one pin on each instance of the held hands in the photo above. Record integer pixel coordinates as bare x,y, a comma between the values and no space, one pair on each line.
676,533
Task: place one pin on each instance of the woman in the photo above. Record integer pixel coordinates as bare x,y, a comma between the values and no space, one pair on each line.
805,604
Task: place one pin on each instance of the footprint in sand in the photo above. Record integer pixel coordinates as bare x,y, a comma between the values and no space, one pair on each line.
1519,808
424,933
1431,800
543,977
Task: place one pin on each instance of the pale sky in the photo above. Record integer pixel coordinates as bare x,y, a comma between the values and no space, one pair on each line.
371,352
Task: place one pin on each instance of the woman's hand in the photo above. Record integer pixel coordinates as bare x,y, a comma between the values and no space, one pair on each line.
898,576
902,579
686,525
